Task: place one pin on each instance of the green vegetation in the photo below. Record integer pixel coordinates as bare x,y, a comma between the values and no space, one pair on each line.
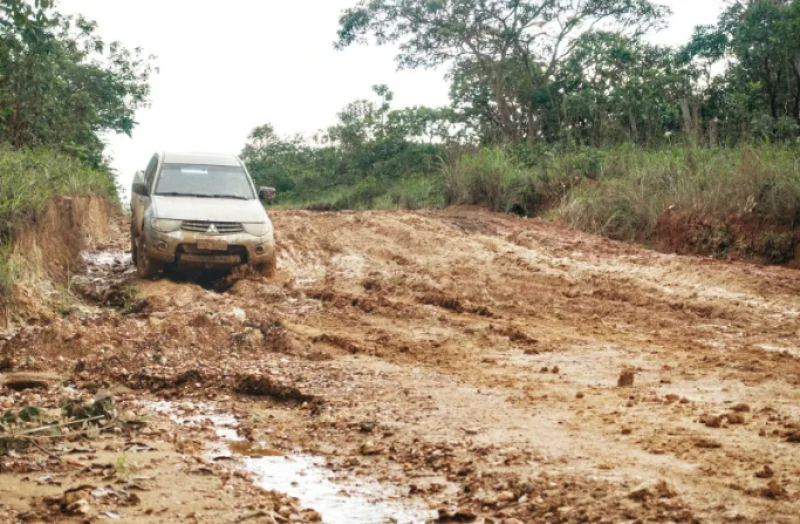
122,468
491,179
8,272
563,108
29,179
32,177
638,187
61,86
580,72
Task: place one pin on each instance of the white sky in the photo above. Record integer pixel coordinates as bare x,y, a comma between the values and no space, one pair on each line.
229,66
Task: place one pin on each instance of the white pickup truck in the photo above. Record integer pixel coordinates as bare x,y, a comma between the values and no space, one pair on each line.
199,210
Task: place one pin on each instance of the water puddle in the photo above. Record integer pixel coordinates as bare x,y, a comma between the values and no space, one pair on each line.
193,414
103,268
107,258
340,500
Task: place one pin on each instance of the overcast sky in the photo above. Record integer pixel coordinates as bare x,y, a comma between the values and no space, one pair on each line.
229,66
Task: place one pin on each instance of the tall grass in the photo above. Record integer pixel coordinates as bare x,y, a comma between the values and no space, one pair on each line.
636,187
412,192
28,179
489,178
8,272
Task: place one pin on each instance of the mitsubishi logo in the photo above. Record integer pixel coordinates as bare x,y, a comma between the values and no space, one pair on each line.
212,230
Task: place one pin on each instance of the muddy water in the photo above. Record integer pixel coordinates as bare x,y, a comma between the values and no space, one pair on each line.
350,501
339,500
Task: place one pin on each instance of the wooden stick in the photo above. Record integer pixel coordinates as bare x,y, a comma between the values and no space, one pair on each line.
48,453
42,428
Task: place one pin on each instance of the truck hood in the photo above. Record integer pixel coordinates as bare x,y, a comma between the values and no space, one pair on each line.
208,209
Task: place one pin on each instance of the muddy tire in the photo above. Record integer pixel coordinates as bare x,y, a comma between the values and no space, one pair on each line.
134,251
267,269
146,267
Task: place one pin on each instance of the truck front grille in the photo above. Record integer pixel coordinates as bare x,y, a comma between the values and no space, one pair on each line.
223,228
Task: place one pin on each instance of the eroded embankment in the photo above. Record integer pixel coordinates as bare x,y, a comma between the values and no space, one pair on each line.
738,237
45,253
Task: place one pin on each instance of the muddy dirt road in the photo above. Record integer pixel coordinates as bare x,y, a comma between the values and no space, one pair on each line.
462,365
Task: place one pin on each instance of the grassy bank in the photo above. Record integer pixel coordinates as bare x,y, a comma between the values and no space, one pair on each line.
685,199
413,192
637,187
28,179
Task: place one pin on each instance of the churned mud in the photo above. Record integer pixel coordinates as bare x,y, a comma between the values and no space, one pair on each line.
451,366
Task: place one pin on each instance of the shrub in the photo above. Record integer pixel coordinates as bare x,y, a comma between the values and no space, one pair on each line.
708,183
489,178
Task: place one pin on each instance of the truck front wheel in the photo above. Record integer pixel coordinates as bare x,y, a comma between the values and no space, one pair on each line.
146,267
268,268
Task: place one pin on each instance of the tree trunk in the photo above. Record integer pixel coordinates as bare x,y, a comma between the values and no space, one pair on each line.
687,117
634,128
713,132
697,121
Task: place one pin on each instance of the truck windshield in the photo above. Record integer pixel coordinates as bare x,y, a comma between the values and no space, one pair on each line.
204,181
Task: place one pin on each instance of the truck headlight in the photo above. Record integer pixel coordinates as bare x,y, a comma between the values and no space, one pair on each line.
258,229
165,225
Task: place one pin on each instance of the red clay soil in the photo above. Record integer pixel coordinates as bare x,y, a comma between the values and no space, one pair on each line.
493,367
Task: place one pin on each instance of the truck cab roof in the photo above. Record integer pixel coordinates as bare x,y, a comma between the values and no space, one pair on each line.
188,157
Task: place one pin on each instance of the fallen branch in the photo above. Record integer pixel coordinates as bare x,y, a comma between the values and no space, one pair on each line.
45,451
62,425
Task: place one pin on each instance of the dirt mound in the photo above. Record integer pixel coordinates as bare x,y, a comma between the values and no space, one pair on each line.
742,236
265,386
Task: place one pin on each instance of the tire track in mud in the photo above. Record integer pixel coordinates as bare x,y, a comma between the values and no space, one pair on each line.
483,351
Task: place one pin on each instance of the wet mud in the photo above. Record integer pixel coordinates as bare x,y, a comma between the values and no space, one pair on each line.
478,367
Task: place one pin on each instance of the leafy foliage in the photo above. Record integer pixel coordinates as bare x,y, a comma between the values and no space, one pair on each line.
368,150
61,85
506,57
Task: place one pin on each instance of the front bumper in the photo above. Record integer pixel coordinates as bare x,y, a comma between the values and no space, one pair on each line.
181,247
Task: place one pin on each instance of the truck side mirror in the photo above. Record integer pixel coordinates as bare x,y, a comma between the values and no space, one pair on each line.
267,193
140,188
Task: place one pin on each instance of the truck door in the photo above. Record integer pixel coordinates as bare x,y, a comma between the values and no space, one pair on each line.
141,203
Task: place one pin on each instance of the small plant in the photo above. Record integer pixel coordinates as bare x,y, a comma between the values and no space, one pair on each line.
131,300
122,468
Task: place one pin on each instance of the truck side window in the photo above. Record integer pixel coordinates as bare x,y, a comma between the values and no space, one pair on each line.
150,173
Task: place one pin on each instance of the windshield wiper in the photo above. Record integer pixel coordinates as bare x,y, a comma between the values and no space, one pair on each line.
175,193
199,195
237,197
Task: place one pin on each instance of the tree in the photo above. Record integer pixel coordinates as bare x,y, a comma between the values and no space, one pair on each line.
618,89
371,142
506,51
759,91
283,163
61,85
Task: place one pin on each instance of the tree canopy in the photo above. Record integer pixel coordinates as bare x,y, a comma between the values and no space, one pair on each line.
61,85
528,71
